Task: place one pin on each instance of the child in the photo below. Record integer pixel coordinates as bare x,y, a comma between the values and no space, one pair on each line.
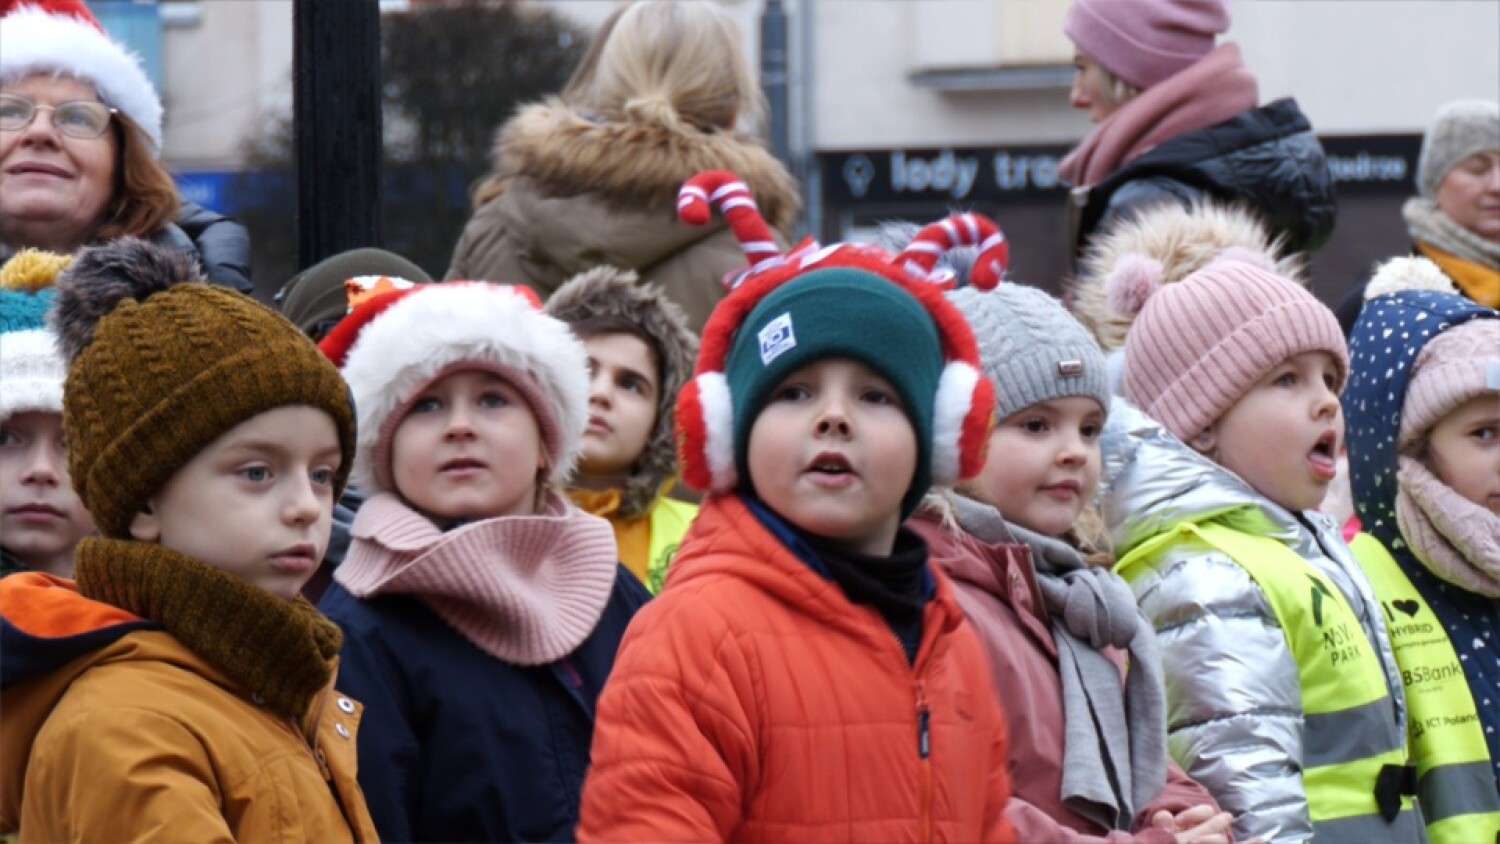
1424,440
640,354
1183,239
807,675
42,518
1055,627
1282,696
179,690
481,610
317,298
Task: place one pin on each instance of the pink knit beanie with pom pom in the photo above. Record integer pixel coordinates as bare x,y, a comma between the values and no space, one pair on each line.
1200,344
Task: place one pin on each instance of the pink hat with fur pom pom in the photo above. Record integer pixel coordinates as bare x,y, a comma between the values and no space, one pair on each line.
1200,344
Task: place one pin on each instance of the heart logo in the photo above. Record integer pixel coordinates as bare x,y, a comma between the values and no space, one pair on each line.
1408,607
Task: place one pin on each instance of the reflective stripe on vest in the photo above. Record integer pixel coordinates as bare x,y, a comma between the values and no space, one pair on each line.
1455,782
1352,746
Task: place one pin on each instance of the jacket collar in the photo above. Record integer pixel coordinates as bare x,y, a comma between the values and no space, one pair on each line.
728,541
213,614
571,153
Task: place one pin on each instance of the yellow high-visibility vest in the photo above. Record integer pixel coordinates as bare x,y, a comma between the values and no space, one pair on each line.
670,520
1456,785
1354,756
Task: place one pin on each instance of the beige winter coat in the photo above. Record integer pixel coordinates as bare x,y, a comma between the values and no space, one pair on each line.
579,193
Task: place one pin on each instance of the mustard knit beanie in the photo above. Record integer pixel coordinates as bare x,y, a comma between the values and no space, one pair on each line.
161,364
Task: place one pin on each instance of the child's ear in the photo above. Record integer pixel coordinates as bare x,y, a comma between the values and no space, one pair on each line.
145,527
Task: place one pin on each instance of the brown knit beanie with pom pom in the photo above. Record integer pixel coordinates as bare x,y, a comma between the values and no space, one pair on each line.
161,364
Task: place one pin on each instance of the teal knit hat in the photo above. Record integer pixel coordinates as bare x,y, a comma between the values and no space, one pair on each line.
841,312
842,301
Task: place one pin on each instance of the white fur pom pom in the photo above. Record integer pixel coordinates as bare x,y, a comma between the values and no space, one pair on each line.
1132,281
1246,255
1404,273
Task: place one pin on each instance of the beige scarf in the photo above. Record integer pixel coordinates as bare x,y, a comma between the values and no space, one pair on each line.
1456,539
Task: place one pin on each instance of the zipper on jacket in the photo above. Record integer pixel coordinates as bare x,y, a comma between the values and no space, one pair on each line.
924,750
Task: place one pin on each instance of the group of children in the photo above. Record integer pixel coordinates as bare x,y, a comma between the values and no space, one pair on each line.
943,583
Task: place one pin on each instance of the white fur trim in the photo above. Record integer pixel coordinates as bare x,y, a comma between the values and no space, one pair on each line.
440,325
718,430
955,396
1408,273
31,372
33,41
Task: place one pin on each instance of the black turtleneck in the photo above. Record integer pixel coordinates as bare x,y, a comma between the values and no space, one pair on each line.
897,586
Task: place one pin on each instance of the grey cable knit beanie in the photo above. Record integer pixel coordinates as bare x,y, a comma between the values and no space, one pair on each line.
1462,128
1031,348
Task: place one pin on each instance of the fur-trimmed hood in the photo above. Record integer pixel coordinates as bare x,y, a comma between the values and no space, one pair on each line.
1183,240
612,292
635,163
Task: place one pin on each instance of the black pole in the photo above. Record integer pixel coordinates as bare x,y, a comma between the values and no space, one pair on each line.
336,109
773,79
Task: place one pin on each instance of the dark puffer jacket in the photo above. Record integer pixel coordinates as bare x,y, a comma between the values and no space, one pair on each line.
458,746
1267,158
221,244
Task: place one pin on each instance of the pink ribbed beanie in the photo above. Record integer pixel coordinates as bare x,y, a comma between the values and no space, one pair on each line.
1200,344
1453,367
1145,41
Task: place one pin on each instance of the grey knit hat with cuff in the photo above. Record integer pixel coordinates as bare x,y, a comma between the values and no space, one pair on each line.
1031,348
1462,128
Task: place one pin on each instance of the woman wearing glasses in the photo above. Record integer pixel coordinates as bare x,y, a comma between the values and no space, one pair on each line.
80,131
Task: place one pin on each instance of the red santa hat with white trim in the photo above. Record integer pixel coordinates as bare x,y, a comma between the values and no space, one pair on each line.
395,344
63,37
847,301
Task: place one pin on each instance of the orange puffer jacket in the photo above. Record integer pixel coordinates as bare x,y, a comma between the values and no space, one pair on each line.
752,701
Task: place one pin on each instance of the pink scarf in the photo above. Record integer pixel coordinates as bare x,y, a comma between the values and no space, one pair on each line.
1210,91
1456,539
527,590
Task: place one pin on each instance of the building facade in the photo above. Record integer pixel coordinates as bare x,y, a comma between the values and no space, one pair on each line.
906,108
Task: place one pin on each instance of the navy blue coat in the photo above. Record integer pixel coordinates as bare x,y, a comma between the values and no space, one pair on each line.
456,745
1387,340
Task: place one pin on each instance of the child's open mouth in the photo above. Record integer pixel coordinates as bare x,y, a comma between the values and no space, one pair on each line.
831,469
1323,459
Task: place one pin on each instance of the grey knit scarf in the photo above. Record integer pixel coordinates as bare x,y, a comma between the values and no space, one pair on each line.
1114,745
1425,223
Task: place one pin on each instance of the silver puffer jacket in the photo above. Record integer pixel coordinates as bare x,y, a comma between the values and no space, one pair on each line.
1234,699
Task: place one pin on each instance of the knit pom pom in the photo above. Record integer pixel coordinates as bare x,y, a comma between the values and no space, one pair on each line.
1132,281
31,270
1246,255
103,276
1408,273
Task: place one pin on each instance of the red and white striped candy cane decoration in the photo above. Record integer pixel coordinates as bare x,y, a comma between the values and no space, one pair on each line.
698,196
960,230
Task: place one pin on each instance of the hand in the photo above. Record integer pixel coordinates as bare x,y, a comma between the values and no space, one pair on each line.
1199,824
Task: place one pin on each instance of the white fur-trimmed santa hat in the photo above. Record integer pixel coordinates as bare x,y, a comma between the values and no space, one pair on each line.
63,37
394,345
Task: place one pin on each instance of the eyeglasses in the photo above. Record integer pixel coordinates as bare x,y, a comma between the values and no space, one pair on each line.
82,119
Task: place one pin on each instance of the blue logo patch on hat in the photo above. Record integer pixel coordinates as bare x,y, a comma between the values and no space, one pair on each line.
776,339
